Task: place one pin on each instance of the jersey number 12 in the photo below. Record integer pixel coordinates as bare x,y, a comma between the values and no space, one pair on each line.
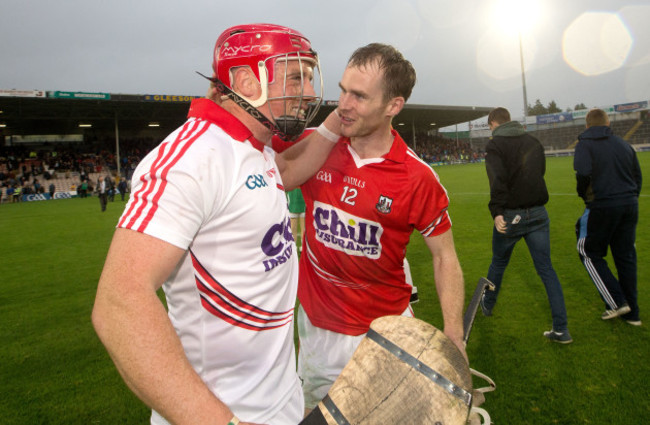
349,193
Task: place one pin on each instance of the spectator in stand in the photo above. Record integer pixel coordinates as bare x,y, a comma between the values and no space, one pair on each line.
17,193
52,190
37,186
10,193
83,188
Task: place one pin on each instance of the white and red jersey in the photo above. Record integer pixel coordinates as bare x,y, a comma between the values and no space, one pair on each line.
214,190
360,216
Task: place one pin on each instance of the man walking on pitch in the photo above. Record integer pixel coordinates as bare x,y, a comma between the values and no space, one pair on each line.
515,165
102,192
609,181
207,221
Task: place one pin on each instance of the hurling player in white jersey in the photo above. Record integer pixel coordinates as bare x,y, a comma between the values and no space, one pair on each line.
362,206
208,222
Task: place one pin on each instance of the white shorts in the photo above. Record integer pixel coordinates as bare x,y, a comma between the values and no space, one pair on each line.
407,272
322,355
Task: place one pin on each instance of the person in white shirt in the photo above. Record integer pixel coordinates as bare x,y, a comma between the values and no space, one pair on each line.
208,222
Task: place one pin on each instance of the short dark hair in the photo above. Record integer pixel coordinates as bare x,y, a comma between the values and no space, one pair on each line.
499,115
597,117
399,74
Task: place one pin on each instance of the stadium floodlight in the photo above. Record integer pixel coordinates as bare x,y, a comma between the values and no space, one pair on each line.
154,124
3,125
519,17
85,125
523,78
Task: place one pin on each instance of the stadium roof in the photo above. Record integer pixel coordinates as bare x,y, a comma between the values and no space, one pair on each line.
426,117
53,115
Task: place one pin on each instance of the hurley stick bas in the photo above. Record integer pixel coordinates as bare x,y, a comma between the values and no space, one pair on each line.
341,407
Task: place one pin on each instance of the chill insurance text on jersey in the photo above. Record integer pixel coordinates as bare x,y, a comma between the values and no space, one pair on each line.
336,228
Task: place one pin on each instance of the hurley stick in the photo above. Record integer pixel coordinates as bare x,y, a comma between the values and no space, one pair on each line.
472,308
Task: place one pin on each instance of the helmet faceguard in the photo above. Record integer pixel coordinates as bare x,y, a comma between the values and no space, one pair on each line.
266,49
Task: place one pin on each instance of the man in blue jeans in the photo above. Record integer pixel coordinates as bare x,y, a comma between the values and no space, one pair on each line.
515,165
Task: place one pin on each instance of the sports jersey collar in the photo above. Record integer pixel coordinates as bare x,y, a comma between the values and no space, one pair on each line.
206,109
397,151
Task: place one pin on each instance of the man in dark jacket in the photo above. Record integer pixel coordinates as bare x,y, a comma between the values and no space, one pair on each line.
609,180
516,164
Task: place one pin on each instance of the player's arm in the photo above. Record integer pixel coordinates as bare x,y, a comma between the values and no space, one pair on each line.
133,325
304,159
449,285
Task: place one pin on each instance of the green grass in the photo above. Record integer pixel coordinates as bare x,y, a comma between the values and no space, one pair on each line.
54,370
602,378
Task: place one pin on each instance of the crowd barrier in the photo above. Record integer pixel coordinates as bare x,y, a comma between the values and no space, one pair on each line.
46,196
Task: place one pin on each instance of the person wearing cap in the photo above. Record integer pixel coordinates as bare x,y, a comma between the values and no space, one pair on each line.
208,222
363,205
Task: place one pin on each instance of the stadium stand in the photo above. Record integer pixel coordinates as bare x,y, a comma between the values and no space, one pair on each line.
64,166
93,153
561,138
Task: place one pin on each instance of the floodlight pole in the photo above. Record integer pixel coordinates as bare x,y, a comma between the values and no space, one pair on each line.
117,146
415,142
523,78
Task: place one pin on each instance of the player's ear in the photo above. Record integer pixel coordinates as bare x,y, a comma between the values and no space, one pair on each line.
245,83
394,106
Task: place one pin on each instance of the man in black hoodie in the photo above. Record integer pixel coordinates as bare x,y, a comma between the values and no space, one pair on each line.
609,180
515,165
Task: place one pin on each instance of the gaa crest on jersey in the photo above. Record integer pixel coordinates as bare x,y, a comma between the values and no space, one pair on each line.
324,176
384,204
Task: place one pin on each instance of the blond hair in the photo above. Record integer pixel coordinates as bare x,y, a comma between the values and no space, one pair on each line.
597,117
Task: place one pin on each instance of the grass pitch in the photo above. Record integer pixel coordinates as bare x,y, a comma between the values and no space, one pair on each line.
54,370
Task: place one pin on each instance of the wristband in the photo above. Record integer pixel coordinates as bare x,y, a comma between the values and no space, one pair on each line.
323,131
233,421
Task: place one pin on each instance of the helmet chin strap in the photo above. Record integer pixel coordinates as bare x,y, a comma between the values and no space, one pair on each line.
293,127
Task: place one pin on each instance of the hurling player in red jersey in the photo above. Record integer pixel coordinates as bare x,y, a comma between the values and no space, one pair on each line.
362,206
208,222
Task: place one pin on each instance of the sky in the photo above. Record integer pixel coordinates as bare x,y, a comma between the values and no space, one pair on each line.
465,52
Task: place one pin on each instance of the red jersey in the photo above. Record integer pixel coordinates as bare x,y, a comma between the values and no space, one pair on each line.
360,216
